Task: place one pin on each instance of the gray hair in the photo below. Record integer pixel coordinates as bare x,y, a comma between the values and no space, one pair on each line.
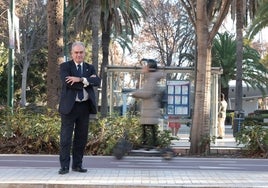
78,43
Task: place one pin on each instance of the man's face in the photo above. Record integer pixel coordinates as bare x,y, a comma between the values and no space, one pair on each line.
78,53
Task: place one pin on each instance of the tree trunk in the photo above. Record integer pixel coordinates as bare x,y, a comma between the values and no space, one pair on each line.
239,55
95,17
23,100
55,50
200,135
105,55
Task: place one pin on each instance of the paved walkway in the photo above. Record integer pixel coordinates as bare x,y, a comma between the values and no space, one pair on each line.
39,177
227,143
48,178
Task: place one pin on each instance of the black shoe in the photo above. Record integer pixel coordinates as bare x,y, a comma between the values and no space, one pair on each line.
79,169
64,170
219,137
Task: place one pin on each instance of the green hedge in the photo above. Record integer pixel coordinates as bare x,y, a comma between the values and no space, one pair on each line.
29,131
37,129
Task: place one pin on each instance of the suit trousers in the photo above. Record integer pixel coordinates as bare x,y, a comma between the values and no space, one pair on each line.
74,133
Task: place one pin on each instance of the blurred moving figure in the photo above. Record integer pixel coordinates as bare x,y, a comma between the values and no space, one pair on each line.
150,111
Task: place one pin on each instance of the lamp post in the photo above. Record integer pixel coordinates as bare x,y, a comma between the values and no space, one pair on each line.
65,31
10,84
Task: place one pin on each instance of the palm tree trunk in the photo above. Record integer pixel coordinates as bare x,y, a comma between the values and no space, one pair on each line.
105,53
95,16
55,50
239,55
201,115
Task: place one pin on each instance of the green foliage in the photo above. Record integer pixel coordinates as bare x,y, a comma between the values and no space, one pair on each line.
255,139
205,142
224,55
36,81
37,130
105,133
251,121
260,21
25,131
256,118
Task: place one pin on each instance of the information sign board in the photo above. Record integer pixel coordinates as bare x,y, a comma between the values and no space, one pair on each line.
178,97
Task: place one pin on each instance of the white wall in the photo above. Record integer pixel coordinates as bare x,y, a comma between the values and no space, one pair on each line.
249,105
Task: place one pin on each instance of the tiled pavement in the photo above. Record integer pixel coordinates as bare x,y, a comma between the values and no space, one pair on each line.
227,144
48,178
40,177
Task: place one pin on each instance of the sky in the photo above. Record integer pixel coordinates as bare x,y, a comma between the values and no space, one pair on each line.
229,26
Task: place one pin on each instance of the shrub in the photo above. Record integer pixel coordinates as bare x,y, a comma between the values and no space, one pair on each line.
25,131
106,132
37,130
255,139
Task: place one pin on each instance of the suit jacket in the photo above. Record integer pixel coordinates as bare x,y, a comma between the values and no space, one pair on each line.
69,92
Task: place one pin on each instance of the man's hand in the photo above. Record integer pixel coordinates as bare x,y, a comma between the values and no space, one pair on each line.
72,79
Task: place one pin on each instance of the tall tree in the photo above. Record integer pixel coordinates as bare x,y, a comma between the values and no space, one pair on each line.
242,11
4,6
85,16
33,29
4,50
116,17
224,56
30,61
96,12
260,21
55,50
167,31
206,17
239,55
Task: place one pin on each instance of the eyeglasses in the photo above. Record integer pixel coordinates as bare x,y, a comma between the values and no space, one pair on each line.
78,52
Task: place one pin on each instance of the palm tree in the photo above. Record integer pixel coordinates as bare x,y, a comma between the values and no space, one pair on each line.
239,55
260,21
243,11
224,55
96,12
206,17
55,50
118,19
85,16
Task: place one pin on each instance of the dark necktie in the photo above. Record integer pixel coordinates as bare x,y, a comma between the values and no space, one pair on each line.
80,92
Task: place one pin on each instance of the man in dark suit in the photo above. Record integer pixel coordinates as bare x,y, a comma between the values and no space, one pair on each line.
77,102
